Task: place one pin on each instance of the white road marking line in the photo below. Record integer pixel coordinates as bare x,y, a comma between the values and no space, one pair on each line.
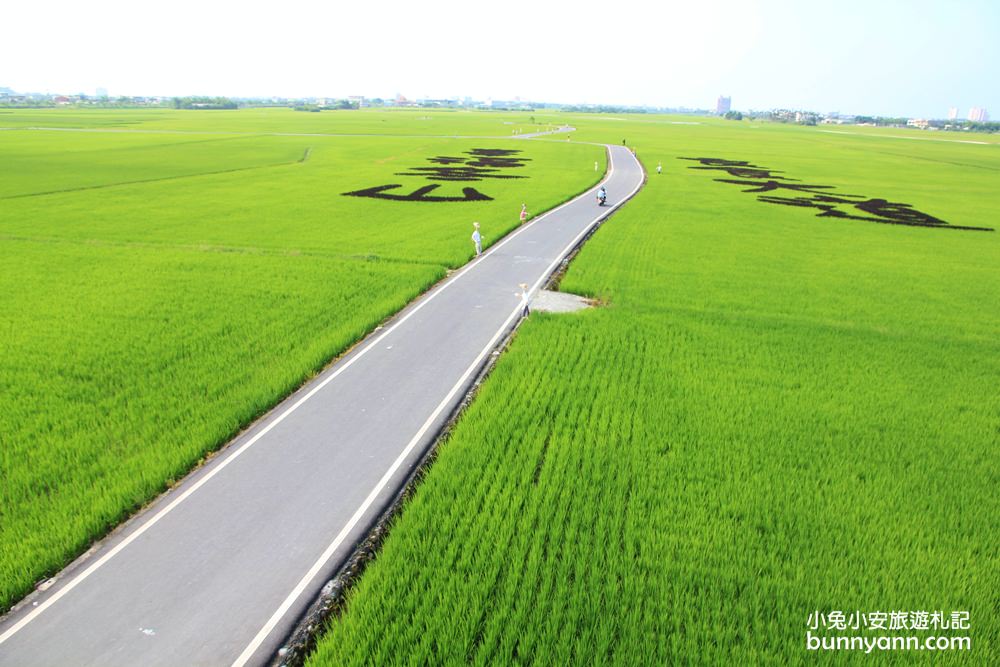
39,608
342,535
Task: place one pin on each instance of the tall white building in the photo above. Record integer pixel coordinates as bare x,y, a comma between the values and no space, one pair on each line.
978,114
953,113
723,104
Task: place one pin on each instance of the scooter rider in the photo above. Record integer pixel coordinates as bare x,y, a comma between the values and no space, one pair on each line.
602,196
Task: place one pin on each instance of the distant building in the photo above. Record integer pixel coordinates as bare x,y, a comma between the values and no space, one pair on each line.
357,99
918,123
953,113
442,102
835,118
62,99
978,115
723,104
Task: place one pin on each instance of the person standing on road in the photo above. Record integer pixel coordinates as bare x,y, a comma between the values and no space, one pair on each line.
477,239
524,213
524,299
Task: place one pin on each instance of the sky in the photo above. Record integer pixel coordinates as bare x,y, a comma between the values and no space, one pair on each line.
912,58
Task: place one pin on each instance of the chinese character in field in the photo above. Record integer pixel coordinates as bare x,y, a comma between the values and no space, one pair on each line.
770,185
762,181
482,163
919,620
896,213
477,165
737,168
420,194
463,173
496,158
444,159
836,620
876,620
828,205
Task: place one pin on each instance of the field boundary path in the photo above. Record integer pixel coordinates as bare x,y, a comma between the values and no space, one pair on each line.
218,570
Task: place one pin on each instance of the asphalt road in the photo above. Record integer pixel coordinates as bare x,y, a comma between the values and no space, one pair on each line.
218,570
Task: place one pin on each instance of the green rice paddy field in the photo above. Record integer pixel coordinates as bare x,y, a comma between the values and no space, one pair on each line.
163,289
775,414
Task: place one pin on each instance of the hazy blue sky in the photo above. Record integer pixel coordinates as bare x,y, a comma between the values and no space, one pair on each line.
888,57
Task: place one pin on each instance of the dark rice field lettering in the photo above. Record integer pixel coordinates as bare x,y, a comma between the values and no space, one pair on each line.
762,181
476,165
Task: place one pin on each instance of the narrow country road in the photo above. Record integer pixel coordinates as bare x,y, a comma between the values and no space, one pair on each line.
218,570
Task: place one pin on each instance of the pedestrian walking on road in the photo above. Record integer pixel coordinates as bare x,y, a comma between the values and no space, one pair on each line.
477,239
524,299
524,213
659,168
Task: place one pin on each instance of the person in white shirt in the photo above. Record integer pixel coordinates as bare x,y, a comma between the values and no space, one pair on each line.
524,299
477,239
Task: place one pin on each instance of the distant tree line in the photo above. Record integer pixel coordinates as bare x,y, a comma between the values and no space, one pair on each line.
786,116
331,104
949,125
26,104
733,115
603,108
204,103
979,126
880,121
49,101
966,125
